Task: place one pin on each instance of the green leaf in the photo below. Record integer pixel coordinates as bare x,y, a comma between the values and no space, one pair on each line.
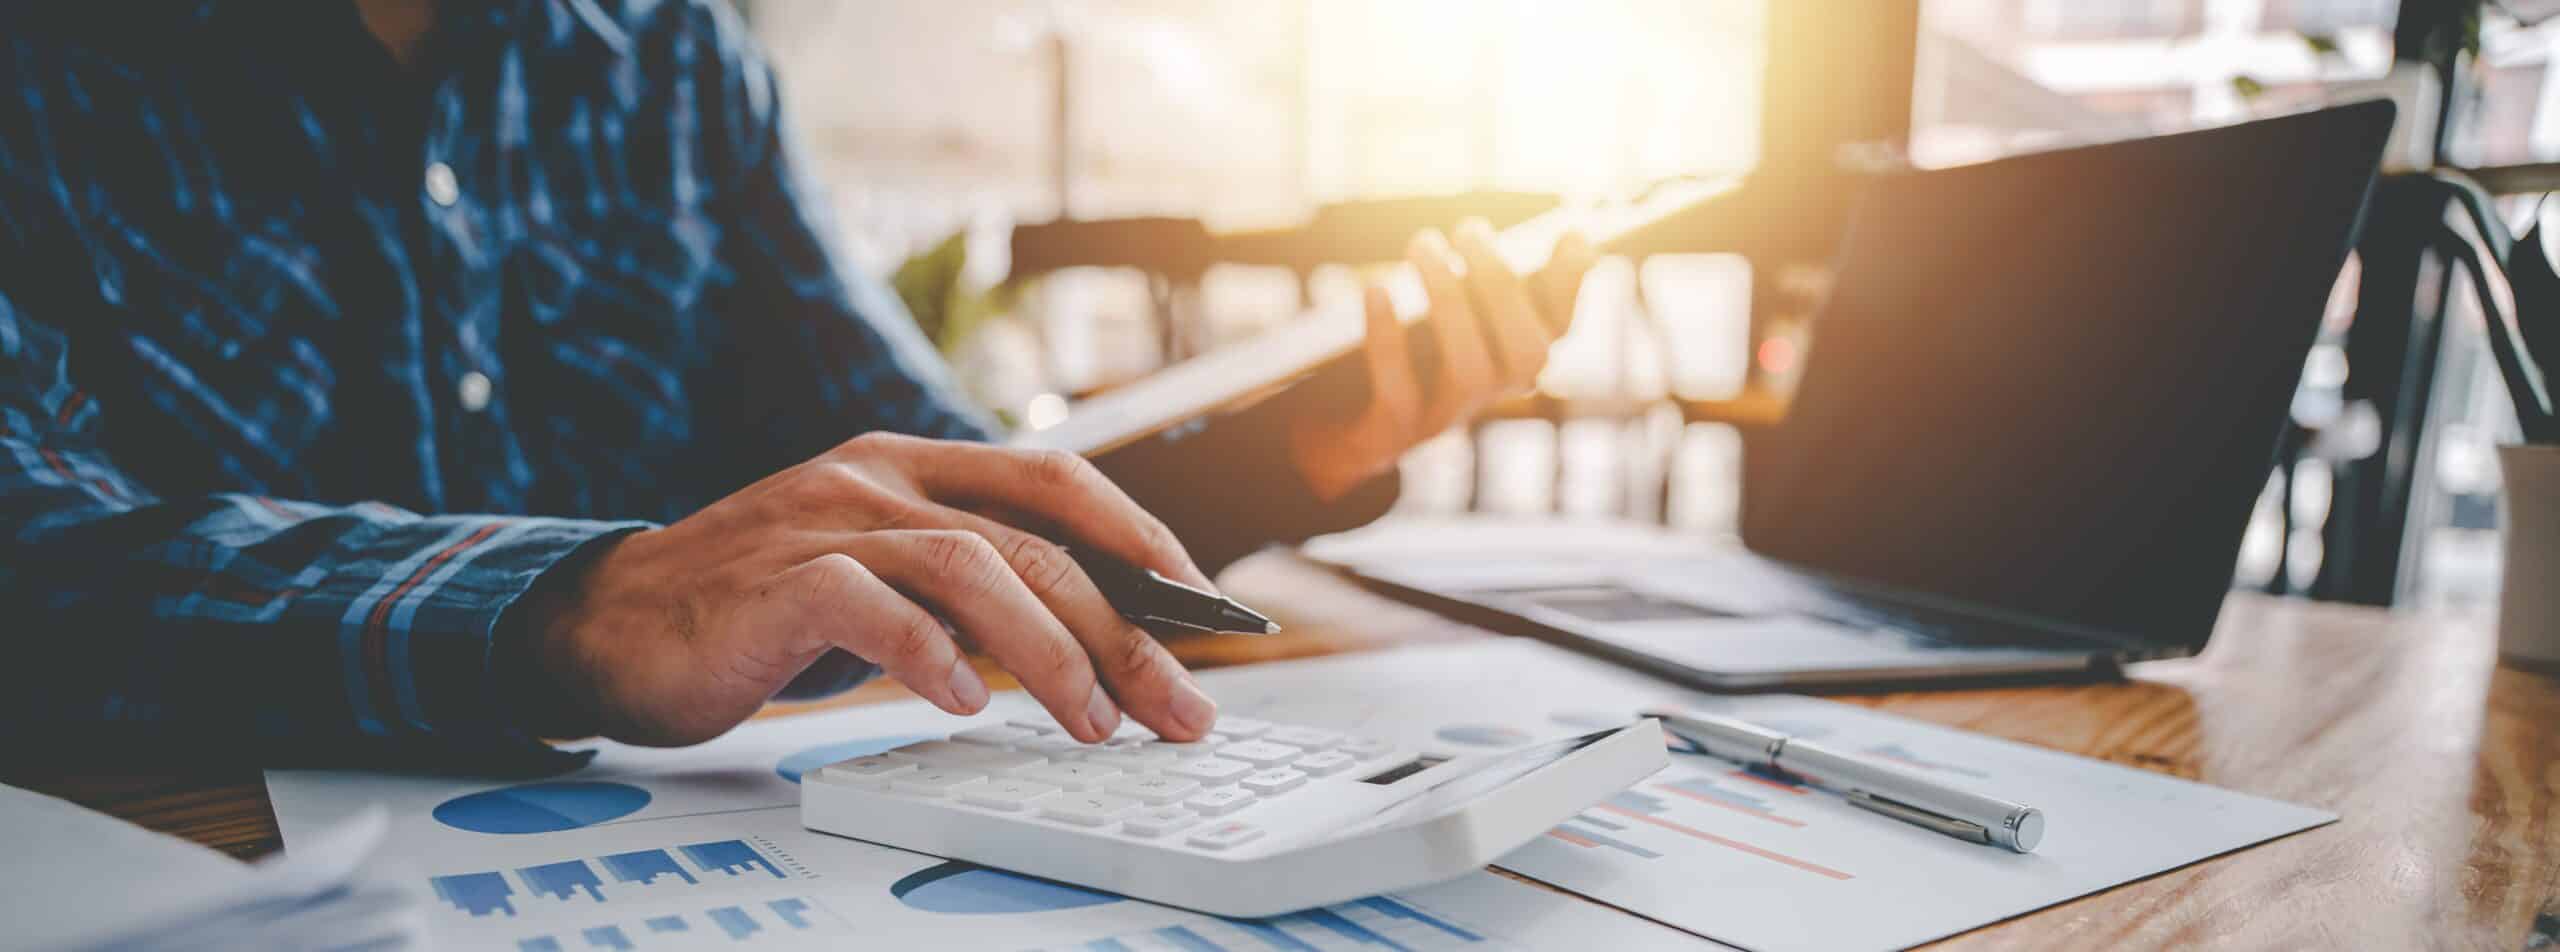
2321,44
2248,86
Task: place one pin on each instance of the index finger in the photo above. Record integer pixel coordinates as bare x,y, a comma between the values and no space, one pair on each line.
1064,489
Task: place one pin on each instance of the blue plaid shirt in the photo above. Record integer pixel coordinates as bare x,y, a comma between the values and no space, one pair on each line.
310,364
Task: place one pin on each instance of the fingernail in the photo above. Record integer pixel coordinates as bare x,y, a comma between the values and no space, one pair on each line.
1193,709
967,689
1432,240
1476,228
1104,715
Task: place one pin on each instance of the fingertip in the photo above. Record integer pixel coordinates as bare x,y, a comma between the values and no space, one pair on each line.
968,690
1428,241
1377,304
1476,228
1574,247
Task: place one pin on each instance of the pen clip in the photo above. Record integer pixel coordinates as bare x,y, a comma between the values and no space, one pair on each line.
1916,816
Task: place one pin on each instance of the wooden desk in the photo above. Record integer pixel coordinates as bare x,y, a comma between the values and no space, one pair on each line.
2445,766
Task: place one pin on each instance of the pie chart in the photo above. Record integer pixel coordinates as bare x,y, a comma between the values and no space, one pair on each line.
963,889
548,807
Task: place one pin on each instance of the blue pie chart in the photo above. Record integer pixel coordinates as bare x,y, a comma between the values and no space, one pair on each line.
963,889
815,757
548,807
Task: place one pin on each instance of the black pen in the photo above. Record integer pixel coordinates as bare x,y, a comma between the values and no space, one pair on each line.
1142,596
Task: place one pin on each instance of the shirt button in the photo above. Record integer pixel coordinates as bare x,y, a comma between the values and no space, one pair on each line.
473,390
442,188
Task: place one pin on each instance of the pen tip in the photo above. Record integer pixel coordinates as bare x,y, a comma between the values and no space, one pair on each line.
1270,627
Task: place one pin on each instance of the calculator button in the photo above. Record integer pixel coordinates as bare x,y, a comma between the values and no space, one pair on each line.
1053,745
1264,753
1128,734
1211,769
1035,724
1274,780
1156,821
872,771
1132,759
944,753
1364,747
1005,793
1242,728
1302,736
1226,834
1203,746
1151,788
1219,802
1324,764
994,735
1086,809
1081,775
935,781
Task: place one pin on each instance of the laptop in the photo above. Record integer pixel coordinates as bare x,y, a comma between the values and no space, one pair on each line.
2040,403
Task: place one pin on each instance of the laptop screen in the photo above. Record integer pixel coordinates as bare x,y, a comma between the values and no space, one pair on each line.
2051,386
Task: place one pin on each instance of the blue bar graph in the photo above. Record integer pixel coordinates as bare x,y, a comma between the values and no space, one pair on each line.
734,921
668,924
1634,802
1598,822
729,856
1348,929
1272,936
1588,838
1707,788
1396,910
794,912
1367,925
540,943
607,937
644,867
1187,940
556,880
476,893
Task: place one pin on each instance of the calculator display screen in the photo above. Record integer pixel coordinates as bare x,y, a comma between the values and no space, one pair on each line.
1403,770
1480,777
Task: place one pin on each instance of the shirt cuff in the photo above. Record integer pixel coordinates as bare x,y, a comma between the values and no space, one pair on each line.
418,632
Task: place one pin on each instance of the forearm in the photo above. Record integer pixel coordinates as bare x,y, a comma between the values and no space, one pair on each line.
247,627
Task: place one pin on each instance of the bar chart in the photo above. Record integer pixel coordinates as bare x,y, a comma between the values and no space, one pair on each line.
1635,822
790,920
631,875
1375,923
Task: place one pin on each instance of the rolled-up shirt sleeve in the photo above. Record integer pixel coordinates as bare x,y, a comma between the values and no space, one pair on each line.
234,624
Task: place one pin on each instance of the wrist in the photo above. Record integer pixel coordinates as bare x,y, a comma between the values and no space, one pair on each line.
541,674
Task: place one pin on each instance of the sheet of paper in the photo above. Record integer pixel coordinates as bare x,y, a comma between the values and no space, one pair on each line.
702,847
1757,862
82,879
710,836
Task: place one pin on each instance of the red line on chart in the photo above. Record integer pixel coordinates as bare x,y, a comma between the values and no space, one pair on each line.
1721,841
1771,784
1735,807
1570,838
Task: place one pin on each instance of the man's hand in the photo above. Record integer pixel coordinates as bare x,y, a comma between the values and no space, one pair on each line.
1492,327
883,548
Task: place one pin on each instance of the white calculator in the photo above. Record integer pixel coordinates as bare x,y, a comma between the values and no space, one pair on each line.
1257,819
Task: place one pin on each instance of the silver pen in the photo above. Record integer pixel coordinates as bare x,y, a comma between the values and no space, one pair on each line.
1866,783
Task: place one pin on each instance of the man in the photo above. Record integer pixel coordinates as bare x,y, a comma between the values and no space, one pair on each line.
410,380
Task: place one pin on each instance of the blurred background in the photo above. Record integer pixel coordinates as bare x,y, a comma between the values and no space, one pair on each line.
1074,193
